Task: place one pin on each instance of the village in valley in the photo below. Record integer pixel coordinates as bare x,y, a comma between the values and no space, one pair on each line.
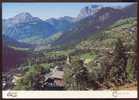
54,80
96,50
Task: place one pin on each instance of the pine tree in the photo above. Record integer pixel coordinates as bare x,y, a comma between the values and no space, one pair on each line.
119,63
76,75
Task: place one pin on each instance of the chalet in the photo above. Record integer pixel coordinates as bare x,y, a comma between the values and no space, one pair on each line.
55,80
58,78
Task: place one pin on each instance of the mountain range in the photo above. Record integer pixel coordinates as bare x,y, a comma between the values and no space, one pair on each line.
26,28
65,30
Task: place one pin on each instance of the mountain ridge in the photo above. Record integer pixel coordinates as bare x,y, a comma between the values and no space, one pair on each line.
92,24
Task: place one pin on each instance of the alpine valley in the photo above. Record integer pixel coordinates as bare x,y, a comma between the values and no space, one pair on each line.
94,50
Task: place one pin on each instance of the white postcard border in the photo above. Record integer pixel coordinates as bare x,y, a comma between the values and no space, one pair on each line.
70,94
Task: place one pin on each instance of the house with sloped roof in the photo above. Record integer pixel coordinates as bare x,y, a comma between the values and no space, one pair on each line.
58,78
55,80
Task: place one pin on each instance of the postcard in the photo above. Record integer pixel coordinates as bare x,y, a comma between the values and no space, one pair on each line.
69,50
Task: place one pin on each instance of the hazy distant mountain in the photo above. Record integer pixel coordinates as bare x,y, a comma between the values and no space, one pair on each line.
86,27
21,18
26,28
61,24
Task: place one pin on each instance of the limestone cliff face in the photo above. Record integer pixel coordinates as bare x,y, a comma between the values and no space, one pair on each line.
88,11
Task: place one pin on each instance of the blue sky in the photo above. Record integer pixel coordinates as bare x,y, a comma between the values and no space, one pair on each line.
47,10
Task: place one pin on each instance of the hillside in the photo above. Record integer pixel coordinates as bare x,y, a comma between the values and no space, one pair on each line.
14,43
124,29
12,58
109,52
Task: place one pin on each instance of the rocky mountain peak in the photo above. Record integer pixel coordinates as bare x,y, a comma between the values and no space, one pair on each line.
88,11
23,17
